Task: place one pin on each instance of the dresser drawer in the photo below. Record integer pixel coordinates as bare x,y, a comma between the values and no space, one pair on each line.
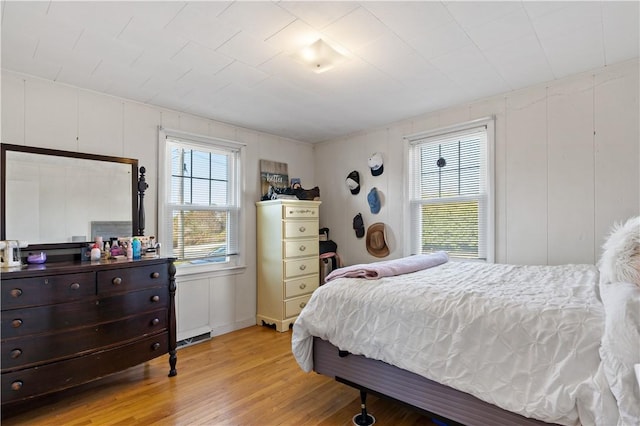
77,314
56,376
129,279
27,351
294,306
300,229
300,212
297,268
299,248
300,286
35,291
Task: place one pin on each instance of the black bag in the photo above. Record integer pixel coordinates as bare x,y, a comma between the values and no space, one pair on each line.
328,246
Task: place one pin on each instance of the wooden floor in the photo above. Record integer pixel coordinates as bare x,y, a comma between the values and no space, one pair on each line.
248,377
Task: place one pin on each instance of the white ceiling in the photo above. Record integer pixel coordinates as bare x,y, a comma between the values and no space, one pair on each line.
231,61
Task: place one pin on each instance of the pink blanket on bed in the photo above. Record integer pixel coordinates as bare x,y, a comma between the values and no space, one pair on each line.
388,268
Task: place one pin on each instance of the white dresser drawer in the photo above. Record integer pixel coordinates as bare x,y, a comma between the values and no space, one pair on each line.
300,212
294,306
300,248
300,229
297,268
300,286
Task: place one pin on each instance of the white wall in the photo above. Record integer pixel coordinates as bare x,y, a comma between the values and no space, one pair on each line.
41,113
559,186
567,167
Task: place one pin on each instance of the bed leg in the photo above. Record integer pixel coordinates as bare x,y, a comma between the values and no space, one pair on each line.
364,418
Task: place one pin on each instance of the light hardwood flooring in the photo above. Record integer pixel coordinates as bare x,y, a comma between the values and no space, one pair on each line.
247,377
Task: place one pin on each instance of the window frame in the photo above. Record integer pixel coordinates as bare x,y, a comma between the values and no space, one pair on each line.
165,233
488,233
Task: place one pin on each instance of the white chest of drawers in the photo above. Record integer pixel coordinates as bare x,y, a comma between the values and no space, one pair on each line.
287,256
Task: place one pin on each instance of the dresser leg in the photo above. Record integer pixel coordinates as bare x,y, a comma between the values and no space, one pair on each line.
173,359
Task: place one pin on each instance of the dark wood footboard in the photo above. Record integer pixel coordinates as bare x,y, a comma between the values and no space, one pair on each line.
412,389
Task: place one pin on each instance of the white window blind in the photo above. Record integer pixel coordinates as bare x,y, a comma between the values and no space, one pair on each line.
201,207
450,193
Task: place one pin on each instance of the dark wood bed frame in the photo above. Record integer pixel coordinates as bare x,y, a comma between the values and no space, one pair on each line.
439,401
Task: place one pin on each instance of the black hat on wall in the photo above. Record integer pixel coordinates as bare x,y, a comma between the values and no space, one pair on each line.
353,182
358,225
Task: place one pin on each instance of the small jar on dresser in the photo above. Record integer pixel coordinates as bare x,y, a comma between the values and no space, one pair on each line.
287,257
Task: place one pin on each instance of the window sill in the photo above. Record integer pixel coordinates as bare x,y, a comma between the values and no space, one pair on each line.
210,269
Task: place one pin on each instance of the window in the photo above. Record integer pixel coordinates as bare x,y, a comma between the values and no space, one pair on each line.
199,205
450,191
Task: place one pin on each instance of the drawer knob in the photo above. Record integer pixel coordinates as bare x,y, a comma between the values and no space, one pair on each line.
117,281
17,385
16,292
155,275
303,267
16,323
302,229
303,286
155,346
75,286
155,321
16,353
302,305
302,248
155,298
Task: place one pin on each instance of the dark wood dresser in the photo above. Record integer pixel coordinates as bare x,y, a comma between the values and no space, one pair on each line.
68,323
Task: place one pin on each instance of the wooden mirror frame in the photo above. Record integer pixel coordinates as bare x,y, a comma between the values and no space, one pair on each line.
137,189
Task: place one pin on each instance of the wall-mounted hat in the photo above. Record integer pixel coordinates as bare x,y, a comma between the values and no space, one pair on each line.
375,164
376,244
358,225
353,182
374,200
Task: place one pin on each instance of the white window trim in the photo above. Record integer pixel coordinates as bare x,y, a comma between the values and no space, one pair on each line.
489,122
237,264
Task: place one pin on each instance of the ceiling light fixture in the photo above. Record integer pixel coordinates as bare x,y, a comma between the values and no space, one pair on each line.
319,56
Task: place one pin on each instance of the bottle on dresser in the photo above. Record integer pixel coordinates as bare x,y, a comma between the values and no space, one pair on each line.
137,248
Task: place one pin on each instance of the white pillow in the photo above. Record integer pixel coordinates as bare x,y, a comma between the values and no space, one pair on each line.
620,260
620,347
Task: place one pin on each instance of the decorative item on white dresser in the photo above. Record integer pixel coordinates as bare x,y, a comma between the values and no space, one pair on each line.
288,262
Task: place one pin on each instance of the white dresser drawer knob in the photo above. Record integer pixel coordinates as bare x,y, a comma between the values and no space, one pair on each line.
302,305
303,286
302,248
302,229
303,267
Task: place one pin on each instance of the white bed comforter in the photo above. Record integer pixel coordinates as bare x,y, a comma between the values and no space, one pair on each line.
524,338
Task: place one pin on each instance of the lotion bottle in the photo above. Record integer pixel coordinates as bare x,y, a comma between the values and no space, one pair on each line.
129,250
136,248
95,253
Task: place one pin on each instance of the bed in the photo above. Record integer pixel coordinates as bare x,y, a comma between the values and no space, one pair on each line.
481,343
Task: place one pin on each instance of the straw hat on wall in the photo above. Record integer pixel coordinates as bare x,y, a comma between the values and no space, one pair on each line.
376,243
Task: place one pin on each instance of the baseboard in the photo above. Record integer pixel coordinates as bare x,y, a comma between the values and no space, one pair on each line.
193,340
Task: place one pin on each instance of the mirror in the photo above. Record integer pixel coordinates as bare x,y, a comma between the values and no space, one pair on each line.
54,197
